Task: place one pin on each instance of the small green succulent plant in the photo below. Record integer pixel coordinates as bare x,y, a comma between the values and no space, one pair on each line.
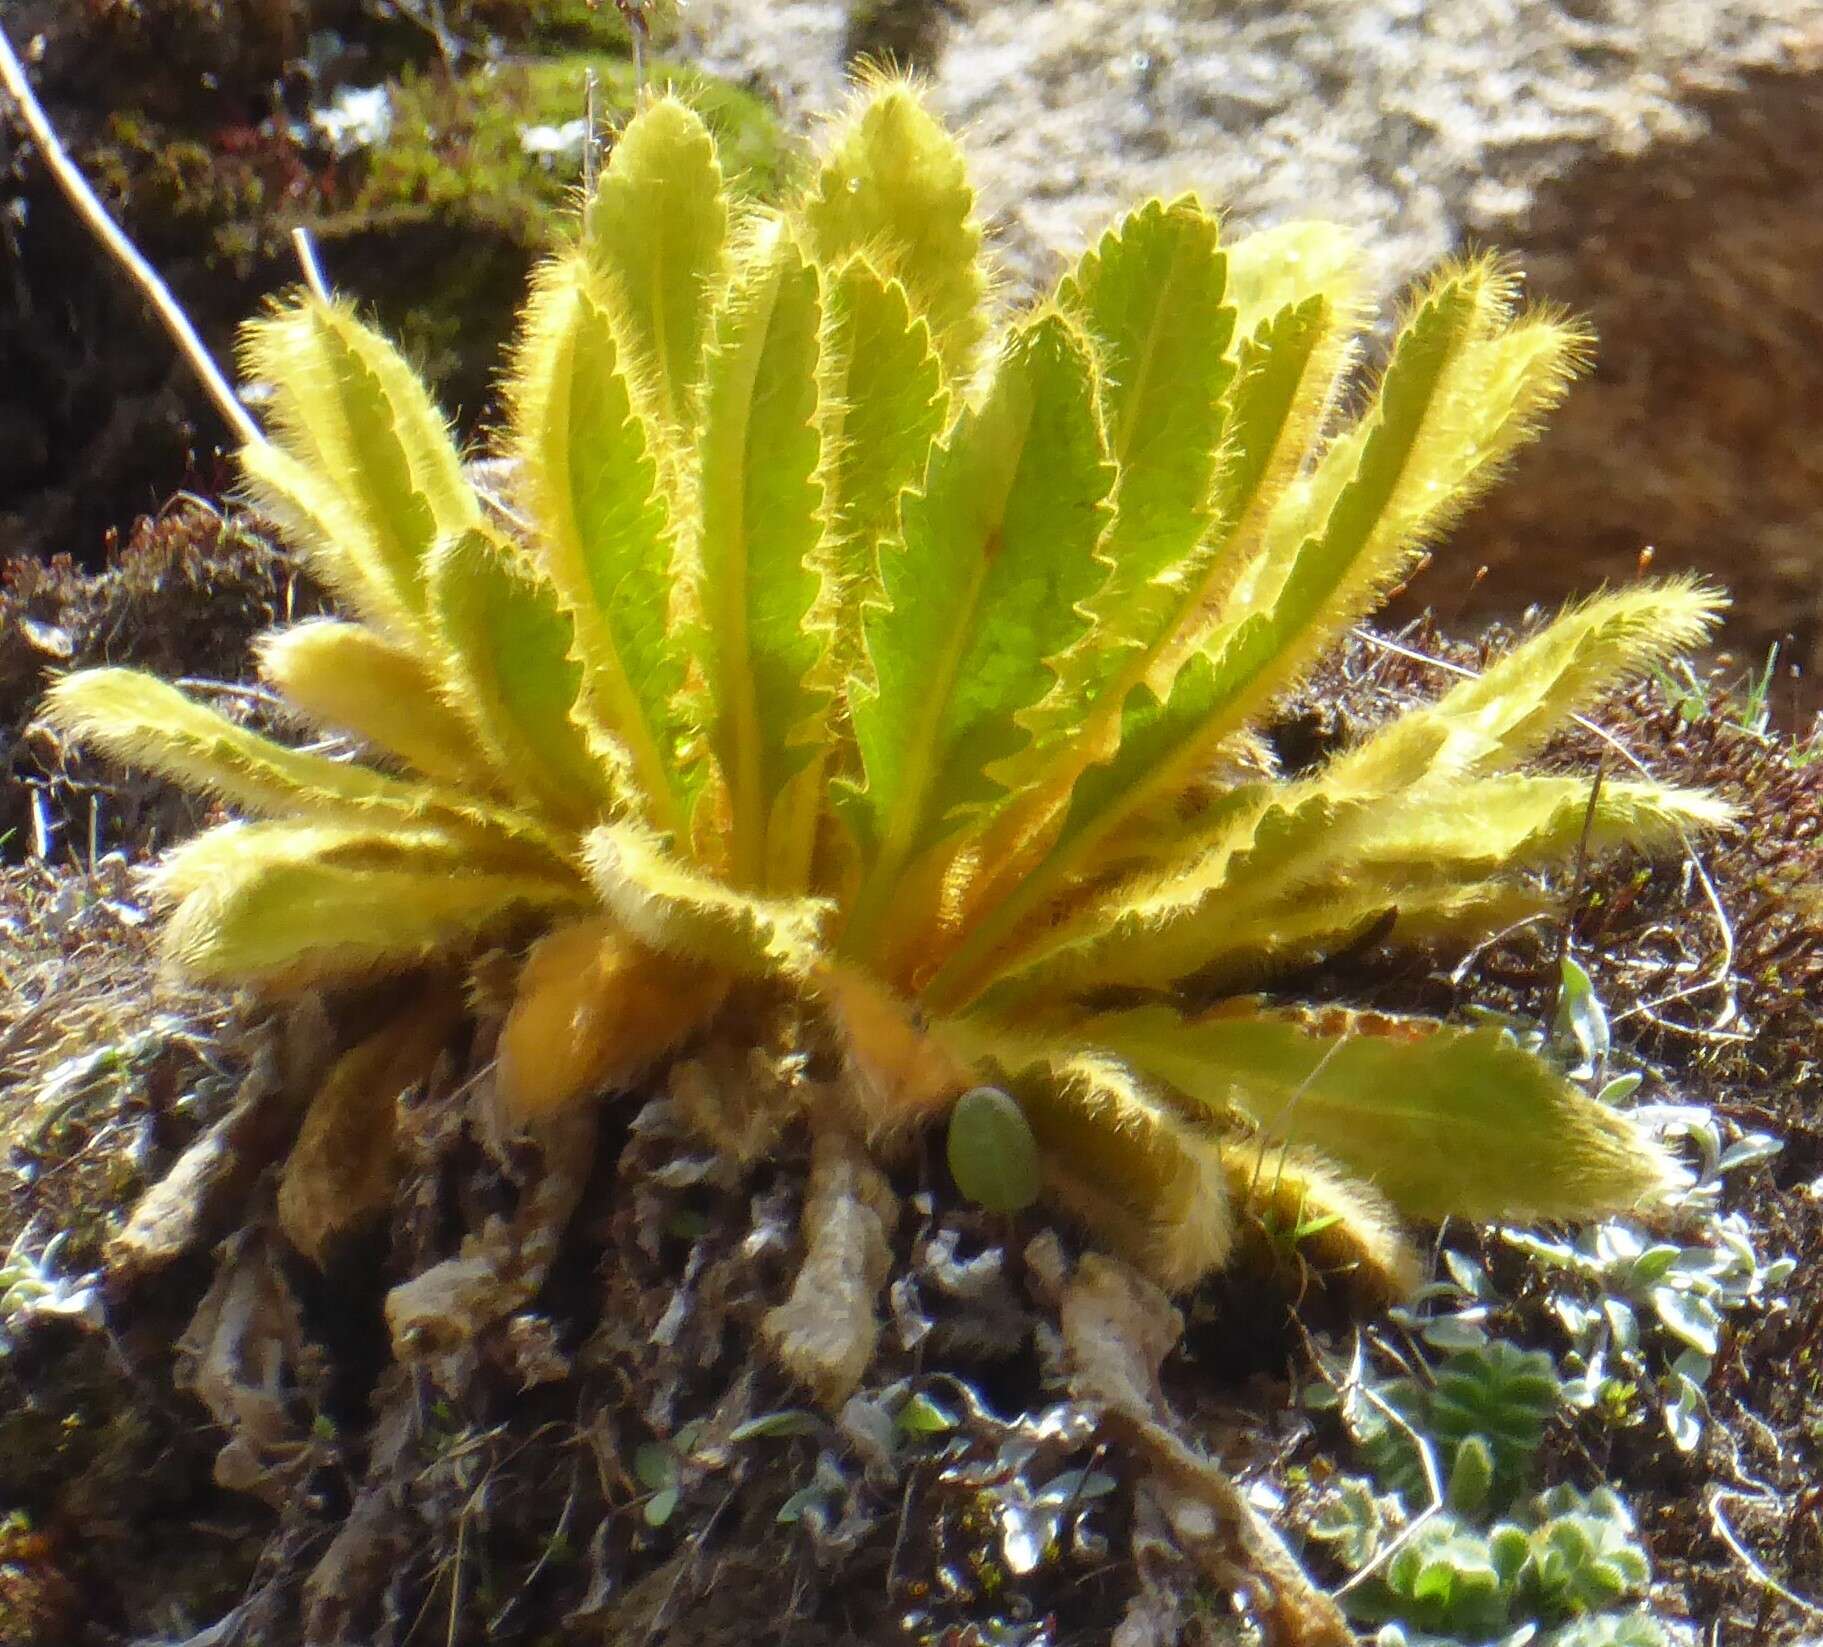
819,636
1490,1560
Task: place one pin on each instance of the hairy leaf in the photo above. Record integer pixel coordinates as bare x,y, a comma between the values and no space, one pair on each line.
761,537
885,405
1444,1121
288,905
1291,615
1273,270
1148,1184
1291,878
603,530
892,184
137,717
998,553
593,1012
1294,1202
371,459
512,675
1509,710
656,231
667,906
1151,294
350,678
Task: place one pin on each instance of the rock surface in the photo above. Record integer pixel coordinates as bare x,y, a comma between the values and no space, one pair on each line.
1648,162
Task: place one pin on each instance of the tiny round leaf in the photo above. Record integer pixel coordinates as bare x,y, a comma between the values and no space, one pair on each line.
992,1152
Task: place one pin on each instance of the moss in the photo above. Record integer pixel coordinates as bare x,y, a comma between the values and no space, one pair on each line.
569,25
457,146
184,197
449,215
437,227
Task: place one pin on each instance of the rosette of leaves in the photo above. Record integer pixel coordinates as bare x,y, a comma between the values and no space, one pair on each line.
1483,1413
1568,1564
831,641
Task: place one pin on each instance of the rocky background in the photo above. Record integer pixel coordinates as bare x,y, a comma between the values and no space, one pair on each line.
1650,163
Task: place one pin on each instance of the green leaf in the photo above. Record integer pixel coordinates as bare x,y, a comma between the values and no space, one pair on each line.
655,1465
1394,490
1445,1121
1471,1476
892,183
603,529
661,1506
923,1416
998,553
992,1153
512,675
1581,1021
1273,270
761,536
656,231
1293,612
1151,294
788,1421
358,450
885,405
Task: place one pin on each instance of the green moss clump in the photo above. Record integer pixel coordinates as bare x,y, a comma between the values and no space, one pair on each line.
457,147
438,226
449,214
185,197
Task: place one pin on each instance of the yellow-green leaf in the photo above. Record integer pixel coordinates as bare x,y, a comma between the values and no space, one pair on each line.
350,678
760,540
373,477
993,1155
592,488
1324,586
1151,293
1306,872
665,904
1292,1203
511,674
1444,1121
656,230
137,717
997,555
294,904
892,183
885,404
1142,1180
1273,270
1518,701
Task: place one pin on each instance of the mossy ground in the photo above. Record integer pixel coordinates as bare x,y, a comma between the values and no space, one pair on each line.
434,230
577,1467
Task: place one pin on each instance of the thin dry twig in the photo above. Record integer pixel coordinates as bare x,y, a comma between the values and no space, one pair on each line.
305,248
95,216
1427,1459
1746,1557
